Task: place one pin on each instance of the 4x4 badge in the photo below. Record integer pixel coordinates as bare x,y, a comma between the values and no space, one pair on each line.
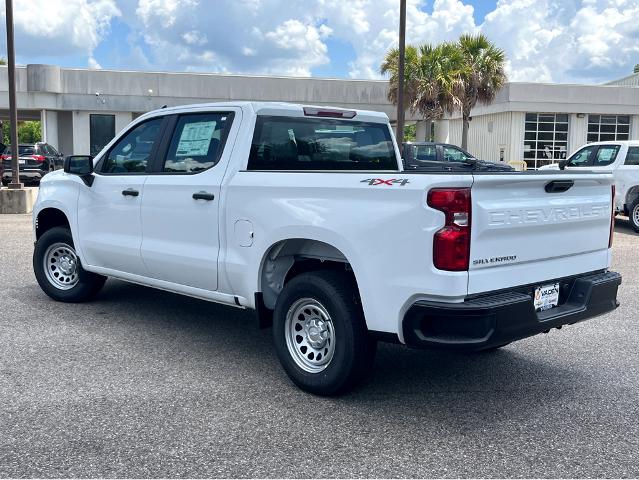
388,182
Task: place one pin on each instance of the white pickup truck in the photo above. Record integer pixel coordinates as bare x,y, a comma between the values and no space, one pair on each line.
304,215
619,157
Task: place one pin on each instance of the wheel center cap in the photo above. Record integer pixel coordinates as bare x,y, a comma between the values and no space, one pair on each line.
66,265
316,333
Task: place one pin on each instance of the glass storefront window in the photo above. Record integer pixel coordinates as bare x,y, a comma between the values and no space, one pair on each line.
603,128
545,138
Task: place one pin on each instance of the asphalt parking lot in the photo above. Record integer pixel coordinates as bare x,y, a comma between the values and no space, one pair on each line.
142,383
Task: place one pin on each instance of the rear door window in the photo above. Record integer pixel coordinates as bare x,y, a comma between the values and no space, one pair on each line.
632,158
424,153
606,155
292,143
197,142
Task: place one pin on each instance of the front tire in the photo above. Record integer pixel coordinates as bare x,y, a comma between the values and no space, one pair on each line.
58,269
320,334
633,215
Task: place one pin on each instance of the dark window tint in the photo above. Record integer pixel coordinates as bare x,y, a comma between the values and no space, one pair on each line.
23,150
608,127
581,158
197,141
452,154
424,153
606,155
633,156
101,131
286,143
131,153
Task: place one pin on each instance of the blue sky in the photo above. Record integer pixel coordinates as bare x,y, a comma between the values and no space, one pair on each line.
583,41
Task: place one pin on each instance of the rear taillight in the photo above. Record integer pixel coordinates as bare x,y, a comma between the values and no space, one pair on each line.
612,218
38,158
5,157
451,244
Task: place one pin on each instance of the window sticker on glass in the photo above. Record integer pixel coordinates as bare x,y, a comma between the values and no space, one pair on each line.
195,139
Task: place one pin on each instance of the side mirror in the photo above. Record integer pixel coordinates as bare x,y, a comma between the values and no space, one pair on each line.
80,165
562,164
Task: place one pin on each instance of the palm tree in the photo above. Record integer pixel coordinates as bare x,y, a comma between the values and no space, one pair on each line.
432,78
390,65
484,75
440,86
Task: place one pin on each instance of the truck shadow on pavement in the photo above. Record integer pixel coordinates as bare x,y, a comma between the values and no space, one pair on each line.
227,342
622,225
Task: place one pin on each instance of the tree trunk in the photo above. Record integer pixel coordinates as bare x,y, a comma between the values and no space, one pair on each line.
465,125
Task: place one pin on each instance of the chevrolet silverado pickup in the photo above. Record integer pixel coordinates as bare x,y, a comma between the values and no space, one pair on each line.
305,215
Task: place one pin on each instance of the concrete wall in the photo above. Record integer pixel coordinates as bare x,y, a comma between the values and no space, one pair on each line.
55,88
577,131
65,133
49,126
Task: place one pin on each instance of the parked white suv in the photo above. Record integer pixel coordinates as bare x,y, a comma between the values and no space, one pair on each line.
304,215
619,157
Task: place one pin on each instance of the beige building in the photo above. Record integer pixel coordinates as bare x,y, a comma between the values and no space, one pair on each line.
82,109
543,123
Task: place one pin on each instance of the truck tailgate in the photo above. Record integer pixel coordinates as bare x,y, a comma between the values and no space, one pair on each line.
525,229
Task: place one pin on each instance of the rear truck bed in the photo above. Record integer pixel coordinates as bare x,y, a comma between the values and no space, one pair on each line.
537,253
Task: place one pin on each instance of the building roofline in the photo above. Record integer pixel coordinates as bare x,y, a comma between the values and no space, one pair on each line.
216,74
613,83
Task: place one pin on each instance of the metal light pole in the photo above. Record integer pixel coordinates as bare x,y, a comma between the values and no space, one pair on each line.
400,85
13,112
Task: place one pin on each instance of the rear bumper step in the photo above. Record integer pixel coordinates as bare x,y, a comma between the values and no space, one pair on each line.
493,320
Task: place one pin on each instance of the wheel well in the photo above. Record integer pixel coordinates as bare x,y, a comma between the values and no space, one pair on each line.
289,258
49,218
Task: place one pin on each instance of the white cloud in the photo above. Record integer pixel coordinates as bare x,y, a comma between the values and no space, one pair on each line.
93,63
545,40
61,27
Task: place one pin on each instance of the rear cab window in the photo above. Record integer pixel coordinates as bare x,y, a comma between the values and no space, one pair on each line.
300,143
632,158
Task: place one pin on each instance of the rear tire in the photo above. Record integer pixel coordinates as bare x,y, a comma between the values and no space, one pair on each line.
633,215
58,269
320,334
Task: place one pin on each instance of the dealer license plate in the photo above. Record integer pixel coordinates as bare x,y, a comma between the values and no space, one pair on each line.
546,297
21,161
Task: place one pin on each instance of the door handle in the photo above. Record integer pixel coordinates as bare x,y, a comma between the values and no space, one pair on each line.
203,196
559,186
129,192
